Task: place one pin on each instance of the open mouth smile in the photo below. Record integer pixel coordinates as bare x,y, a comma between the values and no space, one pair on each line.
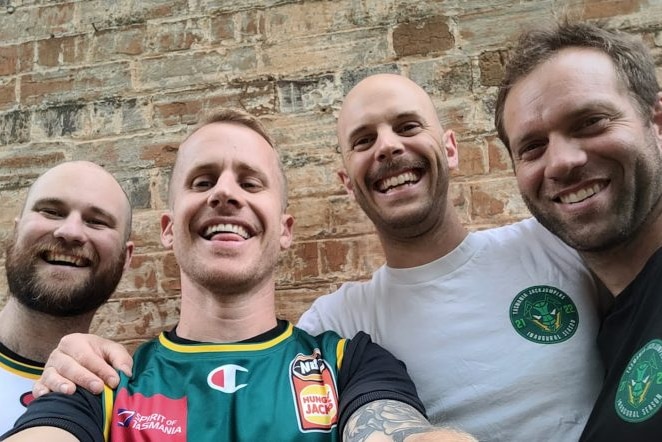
580,195
405,178
56,258
216,229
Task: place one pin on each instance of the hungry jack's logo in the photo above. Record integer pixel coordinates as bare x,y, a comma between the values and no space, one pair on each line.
315,395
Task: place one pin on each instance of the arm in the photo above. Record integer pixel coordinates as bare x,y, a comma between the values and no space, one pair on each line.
38,434
390,420
82,359
378,400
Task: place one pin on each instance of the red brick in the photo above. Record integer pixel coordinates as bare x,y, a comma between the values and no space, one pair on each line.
8,94
422,37
61,51
16,58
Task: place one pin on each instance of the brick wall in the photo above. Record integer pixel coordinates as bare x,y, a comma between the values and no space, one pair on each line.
117,82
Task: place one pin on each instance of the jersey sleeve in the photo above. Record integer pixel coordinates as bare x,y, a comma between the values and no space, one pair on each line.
80,414
369,373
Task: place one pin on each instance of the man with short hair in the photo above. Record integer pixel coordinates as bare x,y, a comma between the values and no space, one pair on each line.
490,323
580,111
231,370
65,258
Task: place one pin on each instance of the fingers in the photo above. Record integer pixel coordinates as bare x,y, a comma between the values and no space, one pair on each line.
81,359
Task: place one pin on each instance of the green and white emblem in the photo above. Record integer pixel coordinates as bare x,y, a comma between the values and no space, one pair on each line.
544,314
639,394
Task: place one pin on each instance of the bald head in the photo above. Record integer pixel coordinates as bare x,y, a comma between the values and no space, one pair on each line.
88,183
383,95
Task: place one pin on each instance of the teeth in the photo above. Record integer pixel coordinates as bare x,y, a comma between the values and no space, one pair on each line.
388,183
61,258
226,228
581,195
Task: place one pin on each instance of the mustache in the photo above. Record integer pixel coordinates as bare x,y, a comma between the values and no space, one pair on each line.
392,167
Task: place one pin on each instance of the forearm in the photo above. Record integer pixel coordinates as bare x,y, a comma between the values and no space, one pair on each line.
389,420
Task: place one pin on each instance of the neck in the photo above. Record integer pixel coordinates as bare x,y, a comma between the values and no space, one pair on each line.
214,316
438,241
619,266
34,335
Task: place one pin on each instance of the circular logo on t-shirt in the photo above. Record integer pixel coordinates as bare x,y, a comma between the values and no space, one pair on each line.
544,314
639,394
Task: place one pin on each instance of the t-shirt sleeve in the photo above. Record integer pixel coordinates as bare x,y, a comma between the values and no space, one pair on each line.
369,373
80,414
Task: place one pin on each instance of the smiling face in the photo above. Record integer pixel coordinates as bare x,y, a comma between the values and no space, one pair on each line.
69,246
588,165
396,157
227,223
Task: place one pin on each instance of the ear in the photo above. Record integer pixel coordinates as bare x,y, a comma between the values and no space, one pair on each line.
346,182
167,235
451,149
286,229
657,119
129,254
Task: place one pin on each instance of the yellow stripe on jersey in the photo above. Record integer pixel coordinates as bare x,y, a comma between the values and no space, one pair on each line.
20,372
340,352
107,398
203,348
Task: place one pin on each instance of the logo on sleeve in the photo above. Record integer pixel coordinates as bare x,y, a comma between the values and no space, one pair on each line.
139,417
544,315
315,394
639,394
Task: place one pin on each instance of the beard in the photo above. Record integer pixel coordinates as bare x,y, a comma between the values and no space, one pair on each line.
636,204
57,296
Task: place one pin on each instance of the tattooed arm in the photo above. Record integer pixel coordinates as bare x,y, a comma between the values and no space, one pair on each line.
389,420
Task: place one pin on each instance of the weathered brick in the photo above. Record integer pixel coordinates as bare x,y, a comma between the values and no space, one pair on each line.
87,83
182,69
119,116
428,36
593,9
492,64
499,158
15,127
110,44
242,27
15,59
472,158
37,22
60,51
178,35
7,94
65,119
444,76
339,51
308,94
496,201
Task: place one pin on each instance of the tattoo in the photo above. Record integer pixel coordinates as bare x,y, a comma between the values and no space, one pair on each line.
392,418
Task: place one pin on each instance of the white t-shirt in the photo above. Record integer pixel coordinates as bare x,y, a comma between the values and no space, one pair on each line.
498,336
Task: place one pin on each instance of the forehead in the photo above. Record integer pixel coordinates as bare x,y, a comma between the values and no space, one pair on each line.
382,99
221,145
81,187
572,79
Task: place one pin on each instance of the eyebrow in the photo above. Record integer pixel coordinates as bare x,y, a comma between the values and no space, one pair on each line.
112,220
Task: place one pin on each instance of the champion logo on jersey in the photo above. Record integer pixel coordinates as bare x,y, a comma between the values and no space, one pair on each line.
544,315
26,398
315,393
224,378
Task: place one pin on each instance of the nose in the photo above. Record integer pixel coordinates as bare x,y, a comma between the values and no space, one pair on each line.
226,192
388,145
564,155
72,229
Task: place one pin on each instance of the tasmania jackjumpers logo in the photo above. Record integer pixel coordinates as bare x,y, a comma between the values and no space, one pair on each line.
315,394
639,394
544,314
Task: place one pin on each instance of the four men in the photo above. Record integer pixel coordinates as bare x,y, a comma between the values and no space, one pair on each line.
65,258
496,327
